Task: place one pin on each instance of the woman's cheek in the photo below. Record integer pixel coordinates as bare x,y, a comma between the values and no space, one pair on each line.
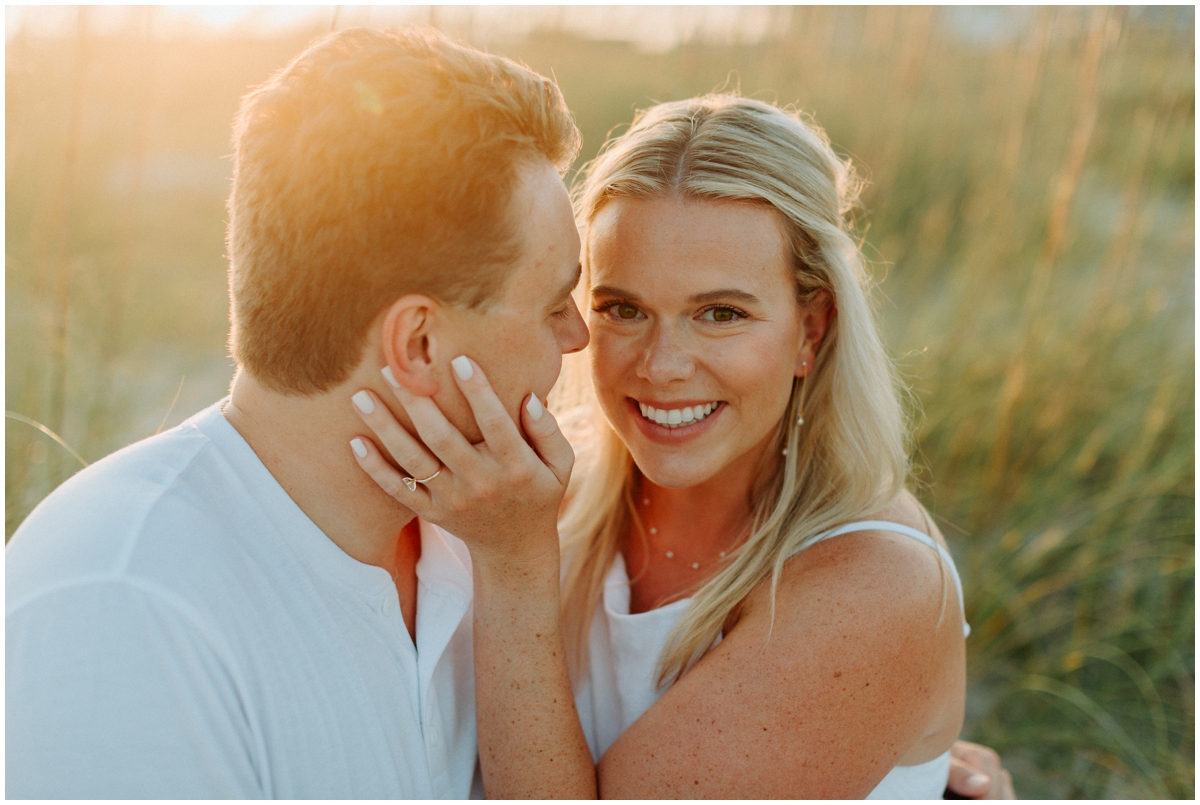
758,374
608,356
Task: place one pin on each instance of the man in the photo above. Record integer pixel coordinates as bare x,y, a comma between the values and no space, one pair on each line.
233,608
225,610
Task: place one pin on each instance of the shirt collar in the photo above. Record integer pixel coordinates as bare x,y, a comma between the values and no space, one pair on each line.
445,562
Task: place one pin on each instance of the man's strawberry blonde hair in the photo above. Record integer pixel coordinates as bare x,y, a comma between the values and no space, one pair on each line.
376,164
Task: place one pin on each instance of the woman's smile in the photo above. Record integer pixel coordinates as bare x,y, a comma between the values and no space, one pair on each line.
674,422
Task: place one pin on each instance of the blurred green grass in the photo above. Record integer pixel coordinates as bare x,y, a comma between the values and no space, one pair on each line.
1030,221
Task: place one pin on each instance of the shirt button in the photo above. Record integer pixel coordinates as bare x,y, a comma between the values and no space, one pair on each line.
433,734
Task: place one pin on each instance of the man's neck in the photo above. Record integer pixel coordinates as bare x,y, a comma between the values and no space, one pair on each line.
304,441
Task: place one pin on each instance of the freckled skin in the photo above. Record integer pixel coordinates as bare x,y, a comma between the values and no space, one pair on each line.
841,692
668,251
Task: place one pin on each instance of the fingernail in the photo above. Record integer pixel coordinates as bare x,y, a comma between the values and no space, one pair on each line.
534,407
389,377
360,449
977,781
363,401
462,367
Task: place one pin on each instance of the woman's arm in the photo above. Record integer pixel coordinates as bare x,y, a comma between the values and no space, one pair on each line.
502,499
854,673
531,745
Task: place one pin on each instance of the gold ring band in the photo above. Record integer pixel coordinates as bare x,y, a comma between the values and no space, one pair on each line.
411,483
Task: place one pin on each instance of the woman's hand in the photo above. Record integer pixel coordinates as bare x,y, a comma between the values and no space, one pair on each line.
499,496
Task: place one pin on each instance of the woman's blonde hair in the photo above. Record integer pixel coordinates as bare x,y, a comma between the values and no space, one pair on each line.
848,459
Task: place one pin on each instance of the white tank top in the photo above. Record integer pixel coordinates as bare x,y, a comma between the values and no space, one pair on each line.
625,648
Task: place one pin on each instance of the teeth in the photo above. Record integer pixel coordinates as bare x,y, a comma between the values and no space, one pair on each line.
677,417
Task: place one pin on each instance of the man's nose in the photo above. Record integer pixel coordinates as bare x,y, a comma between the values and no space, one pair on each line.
574,336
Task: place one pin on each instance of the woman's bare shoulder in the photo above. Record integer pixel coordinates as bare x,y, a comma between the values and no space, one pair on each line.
880,602
852,649
907,510
863,551
878,571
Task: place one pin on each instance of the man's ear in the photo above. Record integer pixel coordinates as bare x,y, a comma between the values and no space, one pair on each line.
407,328
815,321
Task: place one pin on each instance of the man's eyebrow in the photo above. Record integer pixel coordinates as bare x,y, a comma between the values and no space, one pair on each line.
568,287
612,290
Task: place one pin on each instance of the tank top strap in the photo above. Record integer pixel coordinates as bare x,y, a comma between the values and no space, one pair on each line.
896,528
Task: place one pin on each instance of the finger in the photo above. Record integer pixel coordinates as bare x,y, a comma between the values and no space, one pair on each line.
404,449
1004,787
497,427
385,475
439,435
548,439
982,759
976,756
965,781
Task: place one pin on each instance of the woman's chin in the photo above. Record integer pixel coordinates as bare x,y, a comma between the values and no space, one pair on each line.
674,472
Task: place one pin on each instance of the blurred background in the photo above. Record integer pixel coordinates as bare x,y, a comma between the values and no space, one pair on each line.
1030,220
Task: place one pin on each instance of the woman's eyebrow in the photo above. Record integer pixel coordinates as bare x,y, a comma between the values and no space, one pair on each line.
724,295
612,290
720,295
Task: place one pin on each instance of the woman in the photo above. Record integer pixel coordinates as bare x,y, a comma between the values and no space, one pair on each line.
724,642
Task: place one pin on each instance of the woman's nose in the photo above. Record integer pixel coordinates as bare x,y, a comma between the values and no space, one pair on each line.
667,357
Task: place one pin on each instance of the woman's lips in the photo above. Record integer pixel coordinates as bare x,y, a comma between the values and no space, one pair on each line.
664,428
678,414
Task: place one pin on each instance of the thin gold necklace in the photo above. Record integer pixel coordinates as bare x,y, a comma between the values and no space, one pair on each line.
670,555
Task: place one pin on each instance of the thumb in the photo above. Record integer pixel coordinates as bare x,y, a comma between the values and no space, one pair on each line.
546,438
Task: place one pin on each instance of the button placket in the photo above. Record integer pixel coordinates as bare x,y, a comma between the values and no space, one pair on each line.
432,735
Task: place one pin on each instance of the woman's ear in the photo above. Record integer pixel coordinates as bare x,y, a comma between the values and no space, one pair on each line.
815,321
408,326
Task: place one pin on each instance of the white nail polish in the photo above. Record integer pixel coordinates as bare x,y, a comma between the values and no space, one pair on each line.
360,449
363,401
534,407
389,377
462,367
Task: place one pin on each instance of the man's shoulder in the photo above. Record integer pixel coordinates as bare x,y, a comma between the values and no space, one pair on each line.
165,494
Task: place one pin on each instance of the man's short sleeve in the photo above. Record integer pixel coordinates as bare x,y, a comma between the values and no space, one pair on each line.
115,692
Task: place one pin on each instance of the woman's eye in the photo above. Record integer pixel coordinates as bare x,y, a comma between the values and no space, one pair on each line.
619,310
722,314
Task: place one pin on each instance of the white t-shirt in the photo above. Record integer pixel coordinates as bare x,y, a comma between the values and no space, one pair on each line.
178,628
